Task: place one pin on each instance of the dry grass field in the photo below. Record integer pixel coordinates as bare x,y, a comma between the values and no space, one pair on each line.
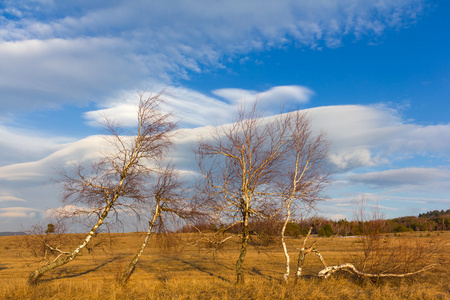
197,272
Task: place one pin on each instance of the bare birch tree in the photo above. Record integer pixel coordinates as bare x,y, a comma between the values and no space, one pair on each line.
166,198
244,166
119,177
305,174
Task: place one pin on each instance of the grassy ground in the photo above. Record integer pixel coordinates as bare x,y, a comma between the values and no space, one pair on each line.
198,272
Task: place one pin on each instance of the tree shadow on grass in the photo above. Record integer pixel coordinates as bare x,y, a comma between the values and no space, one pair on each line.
223,265
253,271
197,267
65,273
258,272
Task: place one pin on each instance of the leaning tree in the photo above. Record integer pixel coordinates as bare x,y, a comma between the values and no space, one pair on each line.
243,164
168,201
304,173
118,178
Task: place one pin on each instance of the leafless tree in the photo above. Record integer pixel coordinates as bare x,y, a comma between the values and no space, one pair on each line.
244,165
119,178
166,198
305,174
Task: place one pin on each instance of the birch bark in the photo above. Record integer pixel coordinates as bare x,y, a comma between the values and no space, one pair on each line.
130,268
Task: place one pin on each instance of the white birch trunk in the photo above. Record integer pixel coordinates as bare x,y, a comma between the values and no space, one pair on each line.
301,257
328,271
283,241
62,260
129,270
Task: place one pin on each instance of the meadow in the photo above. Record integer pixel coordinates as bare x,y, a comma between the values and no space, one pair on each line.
182,269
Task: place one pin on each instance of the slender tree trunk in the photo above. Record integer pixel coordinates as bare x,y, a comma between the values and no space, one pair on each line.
64,259
283,241
301,260
240,261
301,257
129,270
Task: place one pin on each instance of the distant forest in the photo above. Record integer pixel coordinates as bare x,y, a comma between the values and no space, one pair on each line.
430,221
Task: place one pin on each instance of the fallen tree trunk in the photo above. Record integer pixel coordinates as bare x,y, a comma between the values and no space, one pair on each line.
328,271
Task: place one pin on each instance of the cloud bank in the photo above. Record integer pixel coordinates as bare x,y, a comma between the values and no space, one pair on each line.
195,109
52,54
368,147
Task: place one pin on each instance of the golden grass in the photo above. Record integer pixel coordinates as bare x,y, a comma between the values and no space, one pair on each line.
196,272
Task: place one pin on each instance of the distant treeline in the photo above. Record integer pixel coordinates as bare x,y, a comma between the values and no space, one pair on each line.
430,221
8,233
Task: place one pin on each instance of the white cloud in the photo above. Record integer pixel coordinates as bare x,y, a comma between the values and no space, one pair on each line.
426,139
362,138
365,136
124,113
419,200
51,72
190,108
7,197
20,145
194,109
66,209
271,99
51,54
350,159
402,177
18,212
45,168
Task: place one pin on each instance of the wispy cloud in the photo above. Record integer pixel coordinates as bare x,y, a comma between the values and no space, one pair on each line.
292,95
20,145
352,152
104,52
194,109
44,168
367,136
190,108
402,177
19,212
53,54
4,197
360,136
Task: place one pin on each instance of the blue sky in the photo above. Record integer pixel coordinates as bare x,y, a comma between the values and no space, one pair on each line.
374,74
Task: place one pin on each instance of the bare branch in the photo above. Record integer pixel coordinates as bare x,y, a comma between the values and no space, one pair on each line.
248,168
120,176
